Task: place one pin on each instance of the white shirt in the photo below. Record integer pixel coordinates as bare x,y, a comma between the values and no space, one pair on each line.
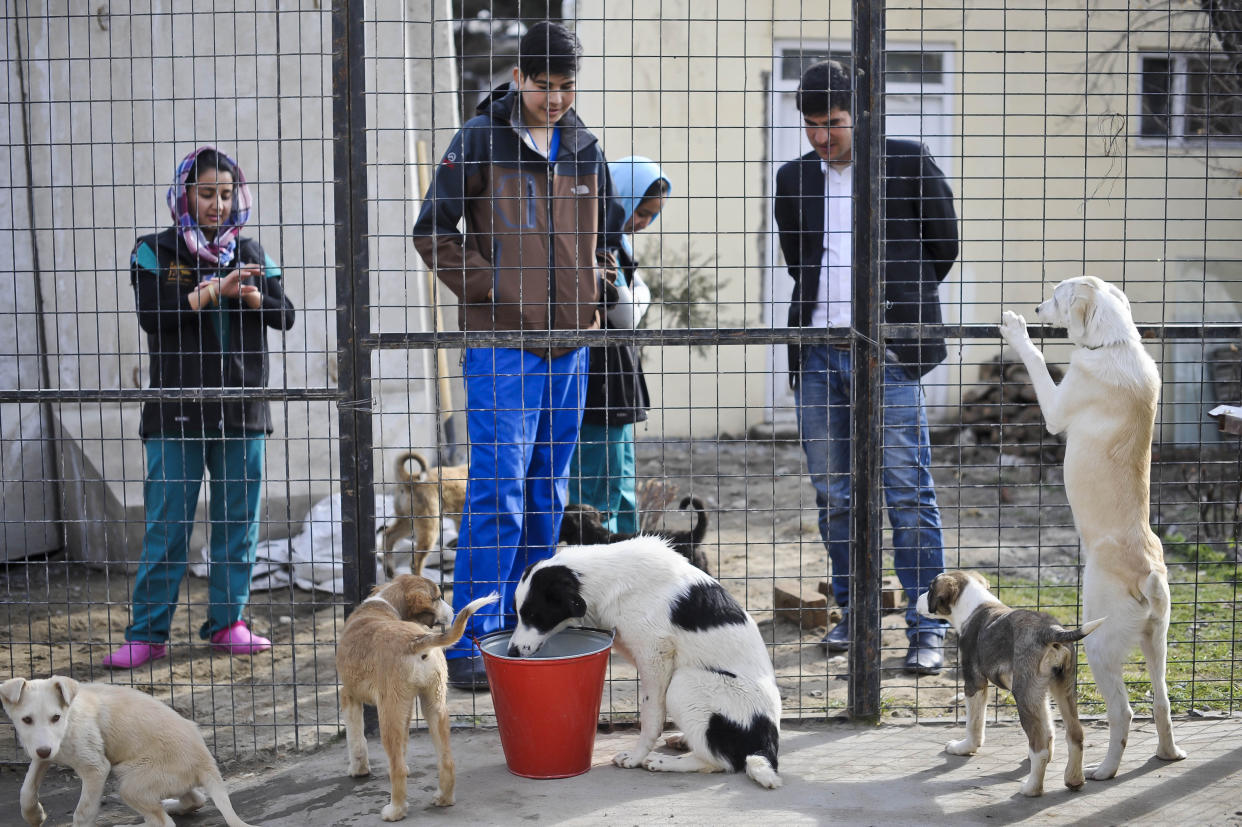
832,305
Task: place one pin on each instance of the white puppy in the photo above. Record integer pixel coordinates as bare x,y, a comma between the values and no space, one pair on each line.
1106,406
698,653
95,728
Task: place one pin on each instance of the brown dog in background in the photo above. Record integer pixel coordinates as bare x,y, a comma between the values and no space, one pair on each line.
420,500
387,656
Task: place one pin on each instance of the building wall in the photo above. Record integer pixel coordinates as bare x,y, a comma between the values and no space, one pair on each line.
1048,184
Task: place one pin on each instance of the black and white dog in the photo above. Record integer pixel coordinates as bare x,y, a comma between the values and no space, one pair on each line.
699,654
1026,652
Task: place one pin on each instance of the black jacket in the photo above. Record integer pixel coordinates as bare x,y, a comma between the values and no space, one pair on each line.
224,346
616,387
920,245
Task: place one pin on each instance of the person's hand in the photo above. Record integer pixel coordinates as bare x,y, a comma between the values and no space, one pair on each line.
235,285
608,264
609,295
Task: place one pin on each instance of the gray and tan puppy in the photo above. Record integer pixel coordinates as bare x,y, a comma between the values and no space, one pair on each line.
96,728
1026,652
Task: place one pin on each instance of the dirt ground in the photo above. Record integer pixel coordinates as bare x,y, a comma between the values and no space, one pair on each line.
63,617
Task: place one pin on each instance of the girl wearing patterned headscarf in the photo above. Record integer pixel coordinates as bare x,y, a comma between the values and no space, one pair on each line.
206,297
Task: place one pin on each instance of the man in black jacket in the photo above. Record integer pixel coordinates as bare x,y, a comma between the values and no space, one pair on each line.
814,216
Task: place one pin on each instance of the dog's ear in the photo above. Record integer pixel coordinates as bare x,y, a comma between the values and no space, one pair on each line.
942,595
1081,310
11,690
67,688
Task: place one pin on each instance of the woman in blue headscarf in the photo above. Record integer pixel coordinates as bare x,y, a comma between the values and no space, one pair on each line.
602,473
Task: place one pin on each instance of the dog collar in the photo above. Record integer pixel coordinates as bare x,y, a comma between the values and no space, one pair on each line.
380,599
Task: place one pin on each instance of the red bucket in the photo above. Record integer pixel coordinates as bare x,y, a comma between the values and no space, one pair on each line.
547,705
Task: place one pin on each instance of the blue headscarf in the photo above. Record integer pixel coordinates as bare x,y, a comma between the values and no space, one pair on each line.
631,177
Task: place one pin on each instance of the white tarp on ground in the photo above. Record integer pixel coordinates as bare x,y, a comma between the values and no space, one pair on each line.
311,559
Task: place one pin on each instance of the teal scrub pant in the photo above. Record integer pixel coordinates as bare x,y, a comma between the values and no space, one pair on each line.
170,495
602,475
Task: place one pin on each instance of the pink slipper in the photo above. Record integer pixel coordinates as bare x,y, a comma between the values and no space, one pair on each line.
239,640
134,654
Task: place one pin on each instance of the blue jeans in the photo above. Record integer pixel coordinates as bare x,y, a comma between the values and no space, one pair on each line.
602,475
523,413
170,496
824,419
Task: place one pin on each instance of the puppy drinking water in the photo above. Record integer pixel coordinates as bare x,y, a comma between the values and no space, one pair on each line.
1026,652
1106,406
698,652
95,728
387,656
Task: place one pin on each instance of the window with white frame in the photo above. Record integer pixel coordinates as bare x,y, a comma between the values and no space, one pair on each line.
1188,96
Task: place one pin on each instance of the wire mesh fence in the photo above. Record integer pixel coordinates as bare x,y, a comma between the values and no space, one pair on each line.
1068,138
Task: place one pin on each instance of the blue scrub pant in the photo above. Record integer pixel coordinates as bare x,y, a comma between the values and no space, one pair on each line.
824,416
523,417
170,496
602,475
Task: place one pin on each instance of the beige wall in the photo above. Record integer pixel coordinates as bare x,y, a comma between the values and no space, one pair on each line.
1048,184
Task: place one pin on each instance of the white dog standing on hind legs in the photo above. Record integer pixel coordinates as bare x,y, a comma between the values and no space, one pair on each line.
1106,406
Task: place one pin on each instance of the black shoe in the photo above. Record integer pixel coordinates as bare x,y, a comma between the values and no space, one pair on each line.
838,639
926,654
468,674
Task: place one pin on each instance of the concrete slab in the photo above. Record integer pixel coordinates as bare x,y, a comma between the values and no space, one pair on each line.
838,773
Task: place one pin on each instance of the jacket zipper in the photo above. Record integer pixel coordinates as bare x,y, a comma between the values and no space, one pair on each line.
551,253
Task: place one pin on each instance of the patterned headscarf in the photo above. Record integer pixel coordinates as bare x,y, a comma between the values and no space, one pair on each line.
223,248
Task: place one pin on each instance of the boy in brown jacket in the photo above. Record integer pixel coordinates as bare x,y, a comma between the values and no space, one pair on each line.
530,181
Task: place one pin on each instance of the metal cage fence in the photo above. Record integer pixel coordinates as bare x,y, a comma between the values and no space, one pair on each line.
1075,137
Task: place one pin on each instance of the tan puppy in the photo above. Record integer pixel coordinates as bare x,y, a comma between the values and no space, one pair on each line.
388,656
1026,652
420,499
1106,406
95,728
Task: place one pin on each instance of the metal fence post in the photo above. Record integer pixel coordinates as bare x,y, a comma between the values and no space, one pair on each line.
868,361
352,297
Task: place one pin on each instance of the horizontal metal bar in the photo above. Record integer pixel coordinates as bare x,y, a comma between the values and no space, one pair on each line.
747,335
70,395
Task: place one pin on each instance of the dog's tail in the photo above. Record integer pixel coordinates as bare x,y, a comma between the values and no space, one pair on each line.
404,459
700,526
453,633
1071,635
1058,654
214,785
761,770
